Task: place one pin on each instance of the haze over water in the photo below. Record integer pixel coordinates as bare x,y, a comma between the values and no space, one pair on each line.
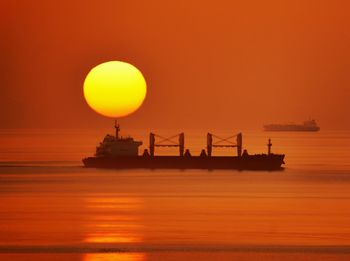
51,208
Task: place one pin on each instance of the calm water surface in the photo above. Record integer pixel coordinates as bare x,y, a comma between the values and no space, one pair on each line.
53,209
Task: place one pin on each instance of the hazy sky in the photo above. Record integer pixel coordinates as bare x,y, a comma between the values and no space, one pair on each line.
228,64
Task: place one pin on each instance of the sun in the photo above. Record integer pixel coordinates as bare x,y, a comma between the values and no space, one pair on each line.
115,89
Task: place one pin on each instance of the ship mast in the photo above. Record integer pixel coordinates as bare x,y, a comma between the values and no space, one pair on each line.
269,147
117,129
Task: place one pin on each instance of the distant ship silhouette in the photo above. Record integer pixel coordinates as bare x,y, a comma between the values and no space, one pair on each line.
309,125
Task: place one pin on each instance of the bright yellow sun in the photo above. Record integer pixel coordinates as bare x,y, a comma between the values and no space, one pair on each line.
115,89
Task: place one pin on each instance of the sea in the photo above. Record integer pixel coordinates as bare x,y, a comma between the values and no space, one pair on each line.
52,208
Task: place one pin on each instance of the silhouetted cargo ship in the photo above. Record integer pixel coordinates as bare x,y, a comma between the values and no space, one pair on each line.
122,153
309,125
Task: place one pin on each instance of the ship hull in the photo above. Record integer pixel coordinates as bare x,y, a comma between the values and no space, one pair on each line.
290,128
251,162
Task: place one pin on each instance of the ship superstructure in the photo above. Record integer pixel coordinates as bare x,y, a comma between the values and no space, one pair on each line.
114,146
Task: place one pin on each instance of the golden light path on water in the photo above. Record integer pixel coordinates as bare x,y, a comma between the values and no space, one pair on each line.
114,220
114,257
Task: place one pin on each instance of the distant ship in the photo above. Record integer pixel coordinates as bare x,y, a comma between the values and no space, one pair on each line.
122,153
309,125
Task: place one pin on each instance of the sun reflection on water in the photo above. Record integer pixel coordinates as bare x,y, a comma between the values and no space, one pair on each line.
113,220
114,257
110,238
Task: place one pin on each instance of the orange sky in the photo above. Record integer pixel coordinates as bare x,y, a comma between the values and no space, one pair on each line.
228,64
